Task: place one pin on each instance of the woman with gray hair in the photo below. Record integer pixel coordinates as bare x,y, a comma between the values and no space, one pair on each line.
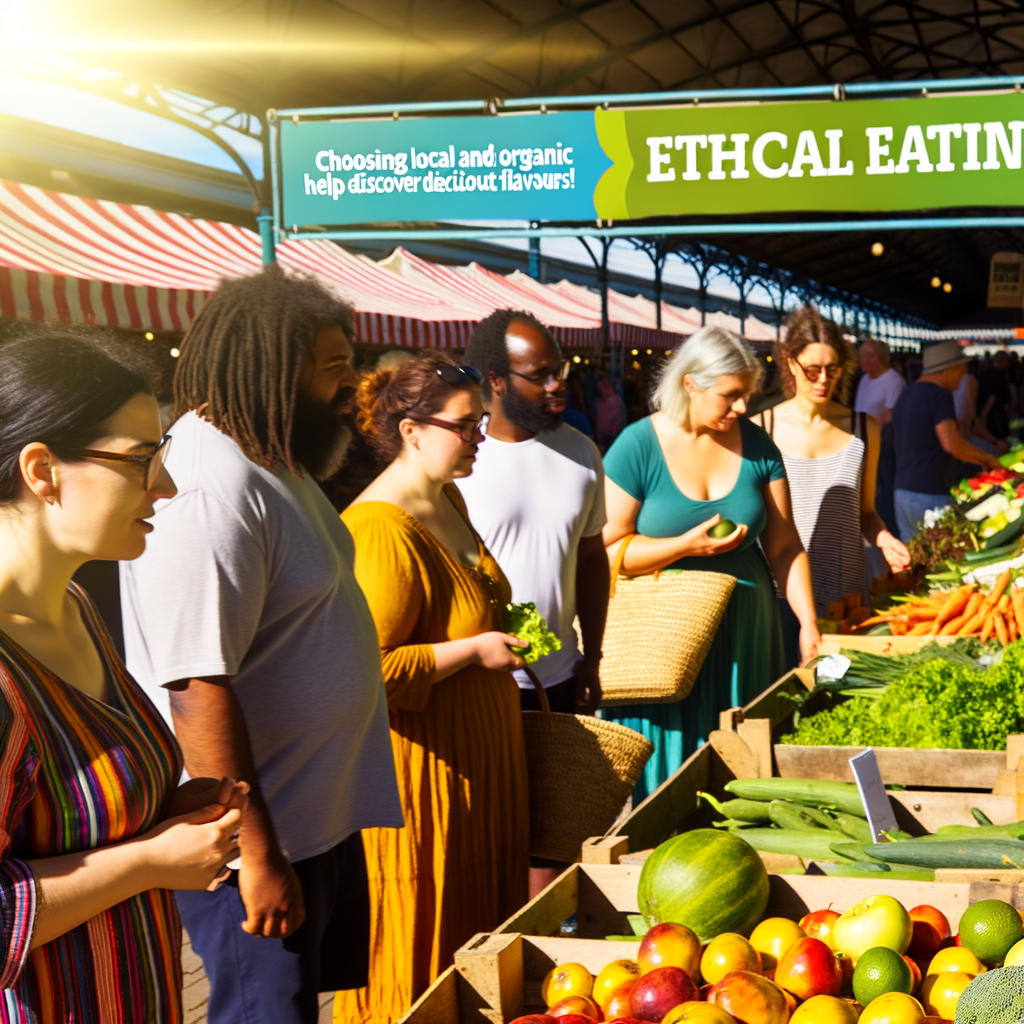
670,480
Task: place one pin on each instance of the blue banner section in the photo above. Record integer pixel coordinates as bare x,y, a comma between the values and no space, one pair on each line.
515,167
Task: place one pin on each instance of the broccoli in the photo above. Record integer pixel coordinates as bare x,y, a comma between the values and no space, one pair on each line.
526,623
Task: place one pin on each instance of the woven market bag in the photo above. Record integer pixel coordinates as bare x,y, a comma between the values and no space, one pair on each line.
659,631
581,773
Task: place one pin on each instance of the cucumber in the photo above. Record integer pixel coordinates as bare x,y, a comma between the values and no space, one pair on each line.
987,553
1008,533
855,828
855,851
841,795
806,845
980,816
743,810
792,816
731,823
1007,854
823,819
870,870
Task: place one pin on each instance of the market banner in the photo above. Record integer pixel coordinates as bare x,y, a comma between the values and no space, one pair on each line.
927,152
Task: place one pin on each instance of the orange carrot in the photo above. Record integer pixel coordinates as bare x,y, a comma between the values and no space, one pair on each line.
954,606
973,605
1001,631
921,629
1017,600
1011,627
988,627
999,586
951,627
1003,604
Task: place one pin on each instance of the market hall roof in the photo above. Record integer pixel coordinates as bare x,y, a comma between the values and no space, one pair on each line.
249,56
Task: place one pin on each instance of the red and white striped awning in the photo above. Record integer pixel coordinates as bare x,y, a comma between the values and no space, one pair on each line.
73,260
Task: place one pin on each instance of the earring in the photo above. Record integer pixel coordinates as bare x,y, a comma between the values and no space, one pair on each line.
49,499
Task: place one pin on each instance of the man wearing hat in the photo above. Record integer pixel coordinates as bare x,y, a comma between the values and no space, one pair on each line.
926,437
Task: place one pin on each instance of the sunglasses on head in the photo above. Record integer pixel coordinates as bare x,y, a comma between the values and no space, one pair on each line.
460,376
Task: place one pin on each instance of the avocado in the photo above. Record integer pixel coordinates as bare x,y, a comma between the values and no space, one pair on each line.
722,529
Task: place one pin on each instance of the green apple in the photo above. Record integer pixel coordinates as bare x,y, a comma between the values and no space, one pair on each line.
875,921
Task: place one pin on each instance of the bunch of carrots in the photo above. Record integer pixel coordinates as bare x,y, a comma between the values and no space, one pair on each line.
964,611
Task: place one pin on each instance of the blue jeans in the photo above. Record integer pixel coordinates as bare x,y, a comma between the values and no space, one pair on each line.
911,507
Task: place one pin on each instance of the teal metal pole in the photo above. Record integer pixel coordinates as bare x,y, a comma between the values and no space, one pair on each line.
265,219
533,265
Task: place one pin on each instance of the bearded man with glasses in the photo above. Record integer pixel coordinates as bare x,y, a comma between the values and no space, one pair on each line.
536,496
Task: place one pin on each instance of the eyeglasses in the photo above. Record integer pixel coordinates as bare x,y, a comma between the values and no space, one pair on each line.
460,376
544,378
154,461
467,431
813,373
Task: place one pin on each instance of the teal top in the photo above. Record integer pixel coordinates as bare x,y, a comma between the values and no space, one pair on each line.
746,655
637,464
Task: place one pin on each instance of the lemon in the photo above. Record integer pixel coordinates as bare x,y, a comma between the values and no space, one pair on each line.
880,970
990,928
893,1008
941,992
956,958
1015,958
824,1010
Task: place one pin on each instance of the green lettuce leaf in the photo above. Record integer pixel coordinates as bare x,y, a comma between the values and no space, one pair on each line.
524,621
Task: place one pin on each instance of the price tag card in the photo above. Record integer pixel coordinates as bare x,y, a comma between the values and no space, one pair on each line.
832,667
872,793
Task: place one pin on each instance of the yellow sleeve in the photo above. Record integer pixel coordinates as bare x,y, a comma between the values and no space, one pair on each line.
388,571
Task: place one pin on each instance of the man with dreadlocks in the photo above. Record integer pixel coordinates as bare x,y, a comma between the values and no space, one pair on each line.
537,497
245,624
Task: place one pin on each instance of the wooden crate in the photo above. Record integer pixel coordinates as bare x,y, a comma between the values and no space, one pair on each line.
497,976
745,747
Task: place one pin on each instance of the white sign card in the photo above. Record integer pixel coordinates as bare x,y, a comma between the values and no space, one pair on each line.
872,793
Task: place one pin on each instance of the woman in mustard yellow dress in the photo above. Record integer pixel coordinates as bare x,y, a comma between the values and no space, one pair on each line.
460,864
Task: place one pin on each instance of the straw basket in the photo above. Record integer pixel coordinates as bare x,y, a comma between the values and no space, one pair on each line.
581,772
659,632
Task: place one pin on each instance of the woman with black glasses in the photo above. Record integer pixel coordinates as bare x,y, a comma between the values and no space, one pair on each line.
459,866
831,459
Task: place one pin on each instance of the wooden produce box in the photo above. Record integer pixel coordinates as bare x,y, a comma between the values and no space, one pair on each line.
497,976
951,781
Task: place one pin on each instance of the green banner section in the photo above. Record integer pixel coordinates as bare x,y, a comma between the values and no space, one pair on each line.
855,156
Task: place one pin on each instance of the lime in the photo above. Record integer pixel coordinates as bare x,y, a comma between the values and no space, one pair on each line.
878,971
990,929
722,529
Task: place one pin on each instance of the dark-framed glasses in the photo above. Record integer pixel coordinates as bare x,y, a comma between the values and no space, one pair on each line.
468,430
460,376
813,373
154,462
545,378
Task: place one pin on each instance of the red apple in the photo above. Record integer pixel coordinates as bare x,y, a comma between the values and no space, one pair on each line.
915,974
625,1020
670,945
657,992
818,924
617,1004
751,998
809,968
576,1018
846,966
575,1005
535,1018
935,917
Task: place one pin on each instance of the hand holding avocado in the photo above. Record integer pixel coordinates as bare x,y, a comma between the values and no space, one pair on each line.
714,536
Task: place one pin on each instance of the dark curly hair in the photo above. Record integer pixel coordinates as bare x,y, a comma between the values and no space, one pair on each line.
487,349
387,395
243,354
808,327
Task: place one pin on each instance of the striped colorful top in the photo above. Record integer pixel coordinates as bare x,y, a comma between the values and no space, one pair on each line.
76,774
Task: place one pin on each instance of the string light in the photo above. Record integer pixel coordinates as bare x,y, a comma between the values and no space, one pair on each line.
576,359
936,282
634,352
175,352
947,287
877,249
149,335
649,351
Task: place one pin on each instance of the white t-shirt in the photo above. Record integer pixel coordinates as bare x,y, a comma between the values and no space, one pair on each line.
248,574
532,502
875,396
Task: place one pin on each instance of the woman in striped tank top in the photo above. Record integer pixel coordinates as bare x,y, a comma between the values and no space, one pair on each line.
831,458
89,850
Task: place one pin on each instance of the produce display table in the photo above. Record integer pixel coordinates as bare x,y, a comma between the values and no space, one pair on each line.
497,976
951,781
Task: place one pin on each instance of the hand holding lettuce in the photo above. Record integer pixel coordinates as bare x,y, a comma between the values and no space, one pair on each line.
524,621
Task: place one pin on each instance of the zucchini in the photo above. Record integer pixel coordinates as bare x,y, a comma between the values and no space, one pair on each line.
960,832
791,816
841,795
952,853
870,870
855,851
742,810
824,820
733,823
980,816
806,845
993,552
1008,533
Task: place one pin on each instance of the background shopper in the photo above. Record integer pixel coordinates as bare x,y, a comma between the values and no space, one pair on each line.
927,437
459,866
536,495
245,617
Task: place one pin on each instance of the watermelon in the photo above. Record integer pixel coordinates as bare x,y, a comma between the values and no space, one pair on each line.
708,880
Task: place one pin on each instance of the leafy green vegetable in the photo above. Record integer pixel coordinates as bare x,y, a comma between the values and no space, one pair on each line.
941,703
524,621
